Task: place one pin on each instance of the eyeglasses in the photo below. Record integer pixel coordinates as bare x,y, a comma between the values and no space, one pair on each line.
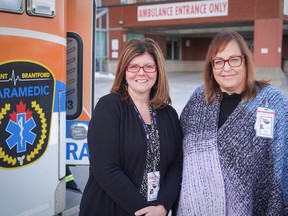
134,68
234,61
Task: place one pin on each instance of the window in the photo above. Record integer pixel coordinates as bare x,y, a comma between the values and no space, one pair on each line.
44,8
98,3
15,6
172,49
156,0
128,1
134,35
74,76
102,26
101,51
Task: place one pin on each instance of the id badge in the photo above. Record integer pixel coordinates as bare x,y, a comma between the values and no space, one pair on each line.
153,185
264,125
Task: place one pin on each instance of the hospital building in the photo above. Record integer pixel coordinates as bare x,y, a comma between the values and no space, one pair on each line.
184,30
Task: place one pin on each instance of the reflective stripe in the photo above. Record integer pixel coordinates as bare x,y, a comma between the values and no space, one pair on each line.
18,32
69,178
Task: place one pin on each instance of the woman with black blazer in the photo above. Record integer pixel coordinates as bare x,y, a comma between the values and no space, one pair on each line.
134,140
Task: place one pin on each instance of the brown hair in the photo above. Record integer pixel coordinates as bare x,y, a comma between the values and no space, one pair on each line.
159,95
217,45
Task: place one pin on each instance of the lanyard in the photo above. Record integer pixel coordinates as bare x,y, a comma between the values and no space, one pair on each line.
150,133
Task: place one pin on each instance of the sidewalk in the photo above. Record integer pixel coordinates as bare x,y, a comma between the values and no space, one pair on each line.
182,85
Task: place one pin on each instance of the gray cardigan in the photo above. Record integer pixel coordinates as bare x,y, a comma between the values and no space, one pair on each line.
230,171
117,147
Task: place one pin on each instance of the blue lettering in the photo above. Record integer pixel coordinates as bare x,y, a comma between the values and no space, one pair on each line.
46,92
22,92
37,90
73,153
84,151
14,93
6,93
29,91
71,149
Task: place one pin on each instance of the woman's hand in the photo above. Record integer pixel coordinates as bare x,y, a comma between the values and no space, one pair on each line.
158,210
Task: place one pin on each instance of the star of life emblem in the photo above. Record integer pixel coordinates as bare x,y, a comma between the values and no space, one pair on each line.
26,94
20,127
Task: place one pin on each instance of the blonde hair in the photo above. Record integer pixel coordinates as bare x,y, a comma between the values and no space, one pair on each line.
159,95
218,44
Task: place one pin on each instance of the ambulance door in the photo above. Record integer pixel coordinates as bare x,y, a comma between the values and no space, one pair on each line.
32,108
80,78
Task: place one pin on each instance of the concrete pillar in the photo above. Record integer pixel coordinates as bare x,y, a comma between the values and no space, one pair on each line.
268,51
268,42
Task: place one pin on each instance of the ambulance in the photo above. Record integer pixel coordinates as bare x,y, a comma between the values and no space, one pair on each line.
46,100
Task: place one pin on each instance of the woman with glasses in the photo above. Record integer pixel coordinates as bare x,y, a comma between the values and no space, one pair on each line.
134,140
235,138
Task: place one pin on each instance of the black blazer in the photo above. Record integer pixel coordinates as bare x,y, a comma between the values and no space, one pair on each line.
117,147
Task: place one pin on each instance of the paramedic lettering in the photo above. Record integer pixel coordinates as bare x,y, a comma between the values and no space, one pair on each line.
29,91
